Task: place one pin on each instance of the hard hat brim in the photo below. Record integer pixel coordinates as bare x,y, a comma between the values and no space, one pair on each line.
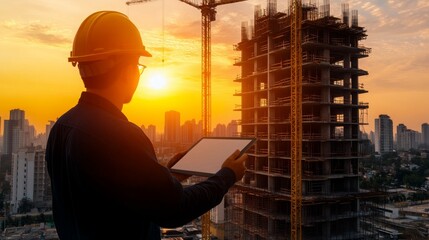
104,55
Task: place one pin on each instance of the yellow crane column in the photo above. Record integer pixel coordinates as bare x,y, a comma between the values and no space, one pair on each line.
296,120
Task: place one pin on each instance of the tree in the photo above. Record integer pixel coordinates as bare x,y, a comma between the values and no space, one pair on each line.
25,205
414,180
5,188
418,196
4,191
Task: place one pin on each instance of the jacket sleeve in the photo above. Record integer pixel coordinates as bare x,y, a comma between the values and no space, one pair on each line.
197,199
126,171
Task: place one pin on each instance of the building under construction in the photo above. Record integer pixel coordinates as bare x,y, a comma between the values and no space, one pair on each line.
259,207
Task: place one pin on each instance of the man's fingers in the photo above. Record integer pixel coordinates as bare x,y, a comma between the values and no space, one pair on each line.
235,162
242,158
234,155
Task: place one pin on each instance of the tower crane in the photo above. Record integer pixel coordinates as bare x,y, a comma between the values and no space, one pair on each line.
296,119
208,15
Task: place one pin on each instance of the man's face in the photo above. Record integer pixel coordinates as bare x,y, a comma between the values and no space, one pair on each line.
130,78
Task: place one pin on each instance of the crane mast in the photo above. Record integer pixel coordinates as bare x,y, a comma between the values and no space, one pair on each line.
208,14
296,120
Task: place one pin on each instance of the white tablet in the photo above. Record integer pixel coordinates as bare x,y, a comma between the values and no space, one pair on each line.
205,158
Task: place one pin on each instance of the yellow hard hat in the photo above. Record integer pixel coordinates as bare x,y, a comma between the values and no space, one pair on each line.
104,34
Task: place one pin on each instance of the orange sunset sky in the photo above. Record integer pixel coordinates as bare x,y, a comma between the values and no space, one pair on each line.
36,38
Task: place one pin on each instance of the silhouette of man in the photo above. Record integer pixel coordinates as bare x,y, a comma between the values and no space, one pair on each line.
106,181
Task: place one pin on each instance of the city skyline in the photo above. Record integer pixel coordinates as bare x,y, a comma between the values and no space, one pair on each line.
20,114
160,127
37,77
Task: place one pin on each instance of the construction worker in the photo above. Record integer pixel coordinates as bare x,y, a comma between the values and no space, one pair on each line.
106,181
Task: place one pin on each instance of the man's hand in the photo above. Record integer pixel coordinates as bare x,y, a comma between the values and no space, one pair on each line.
236,164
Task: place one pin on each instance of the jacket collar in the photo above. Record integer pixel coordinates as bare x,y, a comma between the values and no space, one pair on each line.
100,102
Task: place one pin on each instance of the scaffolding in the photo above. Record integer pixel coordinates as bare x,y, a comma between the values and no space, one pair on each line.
260,206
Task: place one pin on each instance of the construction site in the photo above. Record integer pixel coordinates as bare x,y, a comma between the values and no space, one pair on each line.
332,206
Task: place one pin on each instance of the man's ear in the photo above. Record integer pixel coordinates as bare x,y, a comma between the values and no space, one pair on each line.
128,81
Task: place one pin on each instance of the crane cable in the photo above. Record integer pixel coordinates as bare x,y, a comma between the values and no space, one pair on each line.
163,31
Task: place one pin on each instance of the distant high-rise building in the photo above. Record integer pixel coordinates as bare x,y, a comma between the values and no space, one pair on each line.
10,133
418,139
199,130
190,132
372,137
41,139
30,178
232,129
49,127
425,135
19,115
219,130
383,134
13,137
400,136
29,133
172,127
150,132
406,139
17,132
363,135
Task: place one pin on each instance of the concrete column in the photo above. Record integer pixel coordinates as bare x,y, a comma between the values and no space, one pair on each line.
347,61
326,231
326,167
347,166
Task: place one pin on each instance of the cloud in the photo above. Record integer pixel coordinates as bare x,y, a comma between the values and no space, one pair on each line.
225,29
393,16
397,72
37,32
184,30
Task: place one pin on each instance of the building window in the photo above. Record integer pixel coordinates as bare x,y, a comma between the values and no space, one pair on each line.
339,132
339,100
340,117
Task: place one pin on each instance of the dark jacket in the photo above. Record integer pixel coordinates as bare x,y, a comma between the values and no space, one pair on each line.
107,183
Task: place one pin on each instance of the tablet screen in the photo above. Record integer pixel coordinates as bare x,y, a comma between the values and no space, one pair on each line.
205,158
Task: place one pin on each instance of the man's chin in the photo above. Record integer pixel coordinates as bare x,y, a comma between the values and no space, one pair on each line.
128,100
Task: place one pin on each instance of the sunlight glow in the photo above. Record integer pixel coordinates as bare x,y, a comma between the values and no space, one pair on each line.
157,81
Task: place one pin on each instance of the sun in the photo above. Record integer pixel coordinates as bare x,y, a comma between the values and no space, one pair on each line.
157,81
